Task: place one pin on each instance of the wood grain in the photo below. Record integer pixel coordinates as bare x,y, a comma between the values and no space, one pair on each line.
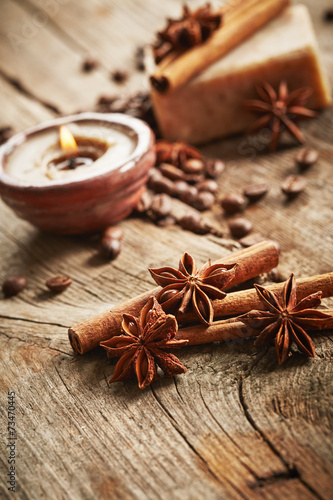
236,425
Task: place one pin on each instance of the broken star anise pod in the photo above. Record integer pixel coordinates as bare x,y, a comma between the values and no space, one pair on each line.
188,288
175,153
193,28
280,110
286,320
145,343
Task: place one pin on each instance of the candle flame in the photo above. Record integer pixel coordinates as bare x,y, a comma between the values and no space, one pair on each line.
67,141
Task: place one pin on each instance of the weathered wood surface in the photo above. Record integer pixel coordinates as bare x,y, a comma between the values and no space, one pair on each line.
235,425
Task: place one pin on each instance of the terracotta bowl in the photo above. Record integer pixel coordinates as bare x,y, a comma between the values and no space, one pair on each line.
93,202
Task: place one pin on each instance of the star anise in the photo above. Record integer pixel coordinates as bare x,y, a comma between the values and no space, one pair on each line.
145,343
193,28
280,110
189,288
285,319
175,153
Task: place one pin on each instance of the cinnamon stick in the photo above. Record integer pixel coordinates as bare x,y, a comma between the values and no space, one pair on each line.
228,329
241,18
241,302
87,335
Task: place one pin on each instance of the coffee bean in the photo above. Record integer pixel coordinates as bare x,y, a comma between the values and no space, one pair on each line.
240,227
110,248
307,157
293,185
167,221
161,184
328,14
161,205
193,166
214,168
144,203
172,172
5,134
233,203
251,239
275,275
254,192
189,195
180,187
13,285
193,178
113,232
140,58
119,75
193,222
207,185
204,200
58,283
89,64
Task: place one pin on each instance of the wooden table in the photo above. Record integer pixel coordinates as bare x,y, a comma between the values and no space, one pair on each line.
236,425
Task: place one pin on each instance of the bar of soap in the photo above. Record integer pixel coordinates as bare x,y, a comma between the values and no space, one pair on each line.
210,106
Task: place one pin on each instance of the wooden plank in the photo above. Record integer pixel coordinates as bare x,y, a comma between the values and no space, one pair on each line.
19,111
235,425
47,67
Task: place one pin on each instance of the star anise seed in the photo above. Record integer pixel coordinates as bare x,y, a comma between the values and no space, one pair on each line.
280,111
286,320
145,343
193,28
189,288
175,153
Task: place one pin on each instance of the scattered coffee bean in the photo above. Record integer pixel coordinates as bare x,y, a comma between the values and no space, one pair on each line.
119,76
193,178
167,221
275,275
140,58
170,171
5,134
251,239
13,285
58,283
254,192
110,248
204,201
328,14
161,184
193,222
240,227
144,203
89,64
233,203
193,166
307,157
189,195
293,185
113,232
214,168
208,185
180,187
161,205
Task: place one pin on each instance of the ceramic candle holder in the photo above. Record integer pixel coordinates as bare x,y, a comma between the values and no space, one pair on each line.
84,199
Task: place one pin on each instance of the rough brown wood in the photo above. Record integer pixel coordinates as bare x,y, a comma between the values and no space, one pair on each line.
236,425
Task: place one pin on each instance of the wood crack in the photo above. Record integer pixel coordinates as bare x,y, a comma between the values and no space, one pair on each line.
10,337
19,86
229,437
192,448
292,471
33,321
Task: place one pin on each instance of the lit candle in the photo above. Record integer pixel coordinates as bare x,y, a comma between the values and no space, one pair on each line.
65,153
79,173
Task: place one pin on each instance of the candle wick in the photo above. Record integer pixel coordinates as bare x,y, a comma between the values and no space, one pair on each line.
72,165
